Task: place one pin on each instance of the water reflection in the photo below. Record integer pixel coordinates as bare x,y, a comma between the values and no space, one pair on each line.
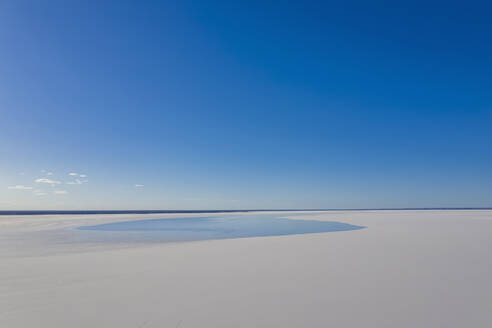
204,228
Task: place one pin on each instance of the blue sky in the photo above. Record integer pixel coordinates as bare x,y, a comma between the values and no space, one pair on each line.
213,104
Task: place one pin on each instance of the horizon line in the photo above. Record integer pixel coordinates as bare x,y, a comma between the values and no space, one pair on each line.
88,212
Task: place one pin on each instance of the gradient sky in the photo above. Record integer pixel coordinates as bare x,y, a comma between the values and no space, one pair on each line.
225,104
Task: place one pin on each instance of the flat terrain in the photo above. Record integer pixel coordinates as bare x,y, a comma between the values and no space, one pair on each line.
406,269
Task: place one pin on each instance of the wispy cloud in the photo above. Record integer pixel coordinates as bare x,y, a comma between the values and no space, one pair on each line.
75,182
139,186
83,175
73,174
60,192
49,173
20,187
45,180
38,192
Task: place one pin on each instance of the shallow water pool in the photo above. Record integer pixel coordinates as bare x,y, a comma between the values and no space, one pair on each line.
204,228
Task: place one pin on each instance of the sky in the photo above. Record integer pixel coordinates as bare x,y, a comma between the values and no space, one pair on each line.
245,104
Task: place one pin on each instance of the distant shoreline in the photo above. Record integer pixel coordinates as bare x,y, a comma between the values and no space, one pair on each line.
87,212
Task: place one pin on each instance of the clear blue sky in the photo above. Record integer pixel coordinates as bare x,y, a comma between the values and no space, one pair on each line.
225,104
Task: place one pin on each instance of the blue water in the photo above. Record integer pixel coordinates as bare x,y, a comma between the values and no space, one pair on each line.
204,228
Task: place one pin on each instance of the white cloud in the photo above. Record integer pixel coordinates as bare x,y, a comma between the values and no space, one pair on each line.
139,185
76,182
49,173
39,193
73,174
20,187
60,192
83,175
44,180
